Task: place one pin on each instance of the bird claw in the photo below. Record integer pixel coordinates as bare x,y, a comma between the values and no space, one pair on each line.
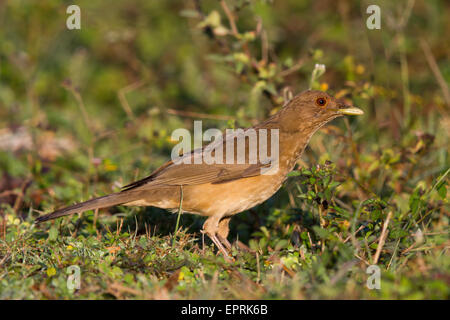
218,243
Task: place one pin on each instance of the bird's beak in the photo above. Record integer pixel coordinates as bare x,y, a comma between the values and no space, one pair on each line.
350,110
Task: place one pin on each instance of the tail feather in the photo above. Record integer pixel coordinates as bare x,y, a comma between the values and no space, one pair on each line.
97,203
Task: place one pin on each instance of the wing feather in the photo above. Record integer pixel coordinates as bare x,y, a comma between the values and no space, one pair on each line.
176,173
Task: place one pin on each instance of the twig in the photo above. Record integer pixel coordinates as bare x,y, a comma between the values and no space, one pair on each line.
382,238
67,84
393,254
235,31
95,218
9,193
429,192
230,17
20,195
362,259
343,204
264,47
3,225
123,100
408,249
119,227
346,267
116,288
4,259
180,211
292,69
404,70
258,268
407,13
350,236
435,69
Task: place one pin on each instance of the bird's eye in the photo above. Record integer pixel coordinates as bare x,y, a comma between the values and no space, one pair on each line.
321,102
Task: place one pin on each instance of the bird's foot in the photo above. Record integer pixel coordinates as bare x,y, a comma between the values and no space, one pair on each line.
225,242
218,244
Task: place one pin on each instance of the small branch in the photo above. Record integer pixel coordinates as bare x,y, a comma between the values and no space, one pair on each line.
292,69
393,255
180,211
20,195
435,69
382,238
354,234
264,47
123,100
230,17
235,31
8,193
67,84
258,268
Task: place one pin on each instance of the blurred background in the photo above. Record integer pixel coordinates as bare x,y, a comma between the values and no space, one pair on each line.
83,112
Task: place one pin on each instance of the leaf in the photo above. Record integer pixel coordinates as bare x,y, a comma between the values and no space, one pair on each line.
414,201
442,191
241,57
321,233
281,244
51,272
270,87
189,13
375,215
129,278
265,232
53,233
212,20
304,235
398,233
334,184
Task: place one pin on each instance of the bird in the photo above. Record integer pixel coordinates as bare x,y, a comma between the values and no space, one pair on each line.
219,190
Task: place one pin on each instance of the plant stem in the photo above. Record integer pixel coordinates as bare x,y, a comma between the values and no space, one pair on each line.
180,211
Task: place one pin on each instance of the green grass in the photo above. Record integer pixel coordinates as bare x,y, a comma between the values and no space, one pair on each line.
85,112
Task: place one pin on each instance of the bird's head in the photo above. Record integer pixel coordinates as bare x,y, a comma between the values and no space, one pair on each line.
312,109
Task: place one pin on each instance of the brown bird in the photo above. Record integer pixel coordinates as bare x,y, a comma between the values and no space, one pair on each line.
221,190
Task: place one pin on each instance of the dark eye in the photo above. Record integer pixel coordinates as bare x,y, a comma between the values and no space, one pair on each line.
321,102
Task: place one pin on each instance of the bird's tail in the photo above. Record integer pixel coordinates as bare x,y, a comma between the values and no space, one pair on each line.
97,203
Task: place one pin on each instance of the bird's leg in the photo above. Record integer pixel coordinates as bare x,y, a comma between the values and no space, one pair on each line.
203,242
211,228
222,234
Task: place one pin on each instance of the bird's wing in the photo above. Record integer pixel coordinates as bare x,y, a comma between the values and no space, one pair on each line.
194,174
191,174
181,173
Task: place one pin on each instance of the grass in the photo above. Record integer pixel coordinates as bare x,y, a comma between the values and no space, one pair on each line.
85,112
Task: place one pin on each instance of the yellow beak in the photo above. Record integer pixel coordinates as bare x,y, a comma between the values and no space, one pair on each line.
351,111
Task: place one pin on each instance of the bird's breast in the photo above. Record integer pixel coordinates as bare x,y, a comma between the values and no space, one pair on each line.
231,197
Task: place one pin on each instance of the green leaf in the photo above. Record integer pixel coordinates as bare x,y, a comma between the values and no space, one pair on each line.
51,272
321,233
212,20
442,191
294,173
281,244
53,233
